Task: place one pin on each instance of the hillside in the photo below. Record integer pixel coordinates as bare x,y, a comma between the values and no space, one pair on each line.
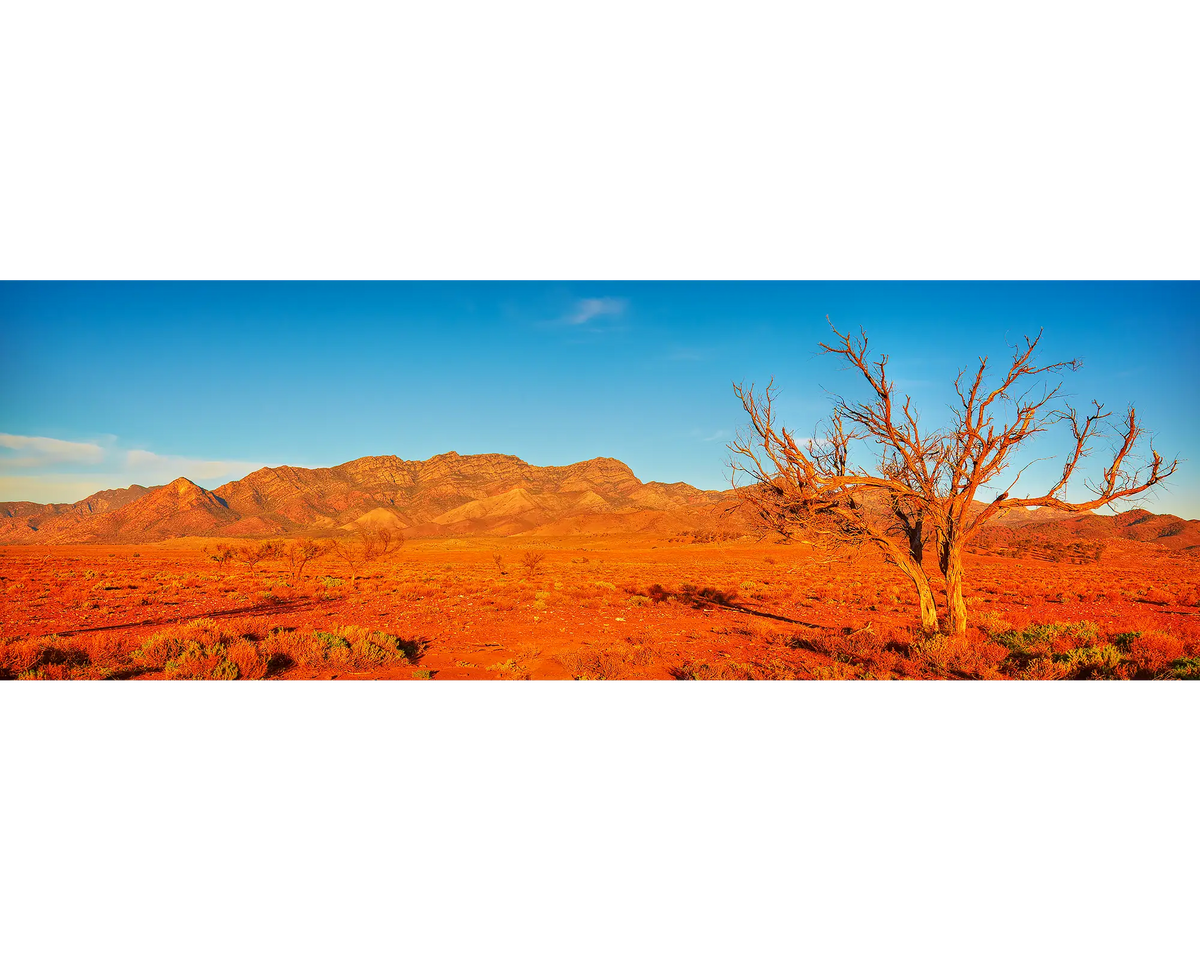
455,496
25,522
447,495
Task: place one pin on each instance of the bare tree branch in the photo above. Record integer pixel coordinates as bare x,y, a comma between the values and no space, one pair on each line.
926,483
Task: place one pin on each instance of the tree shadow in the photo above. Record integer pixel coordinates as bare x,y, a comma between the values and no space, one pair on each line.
413,650
299,605
704,598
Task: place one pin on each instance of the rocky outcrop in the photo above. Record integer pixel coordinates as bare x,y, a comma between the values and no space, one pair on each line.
24,522
451,496
447,495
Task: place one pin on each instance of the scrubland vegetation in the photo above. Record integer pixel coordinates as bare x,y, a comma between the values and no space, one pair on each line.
583,609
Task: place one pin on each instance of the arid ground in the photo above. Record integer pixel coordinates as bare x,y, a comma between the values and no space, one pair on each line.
594,607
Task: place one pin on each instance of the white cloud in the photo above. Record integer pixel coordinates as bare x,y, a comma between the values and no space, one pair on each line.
58,487
147,470
46,450
591,309
85,468
42,469
169,467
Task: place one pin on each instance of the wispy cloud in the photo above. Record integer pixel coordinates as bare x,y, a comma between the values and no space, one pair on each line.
700,435
42,451
60,487
49,470
157,464
587,310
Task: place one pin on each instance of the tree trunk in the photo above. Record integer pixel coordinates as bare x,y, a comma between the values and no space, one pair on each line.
956,607
916,573
929,614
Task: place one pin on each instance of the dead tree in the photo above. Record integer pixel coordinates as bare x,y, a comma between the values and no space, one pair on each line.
252,554
531,560
924,485
376,540
297,553
347,552
222,555
370,542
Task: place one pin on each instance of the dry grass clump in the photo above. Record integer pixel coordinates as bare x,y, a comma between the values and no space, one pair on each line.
204,649
171,643
727,668
634,658
592,663
510,669
207,649
18,657
86,657
350,646
1156,650
1156,595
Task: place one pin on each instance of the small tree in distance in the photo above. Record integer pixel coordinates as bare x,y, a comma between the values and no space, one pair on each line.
923,485
371,541
347,553
297,553
531,560
220,554
380,540
254,553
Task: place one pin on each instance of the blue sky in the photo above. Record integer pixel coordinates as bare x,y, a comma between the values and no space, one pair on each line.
107,384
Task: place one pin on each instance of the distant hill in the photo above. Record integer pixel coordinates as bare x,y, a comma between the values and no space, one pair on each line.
455,496
447,495
1164,530
25,522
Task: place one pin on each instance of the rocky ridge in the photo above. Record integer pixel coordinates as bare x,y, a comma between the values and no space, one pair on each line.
452,496
447,495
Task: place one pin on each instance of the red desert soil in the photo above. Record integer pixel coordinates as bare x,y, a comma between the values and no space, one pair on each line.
596,607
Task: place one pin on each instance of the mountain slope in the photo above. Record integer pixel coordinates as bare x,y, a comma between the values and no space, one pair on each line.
25,522
451,495
447,495
178,509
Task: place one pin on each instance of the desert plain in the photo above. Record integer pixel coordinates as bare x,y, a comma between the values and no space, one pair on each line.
616,607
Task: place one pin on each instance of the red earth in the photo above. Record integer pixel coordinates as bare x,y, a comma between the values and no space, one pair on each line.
594,607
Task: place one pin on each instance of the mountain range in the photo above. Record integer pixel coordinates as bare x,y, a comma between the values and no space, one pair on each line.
447,495
452,496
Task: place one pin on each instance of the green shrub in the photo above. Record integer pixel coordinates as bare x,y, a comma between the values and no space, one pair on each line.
202,662
1037,638
363,646
1086,662
158,650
